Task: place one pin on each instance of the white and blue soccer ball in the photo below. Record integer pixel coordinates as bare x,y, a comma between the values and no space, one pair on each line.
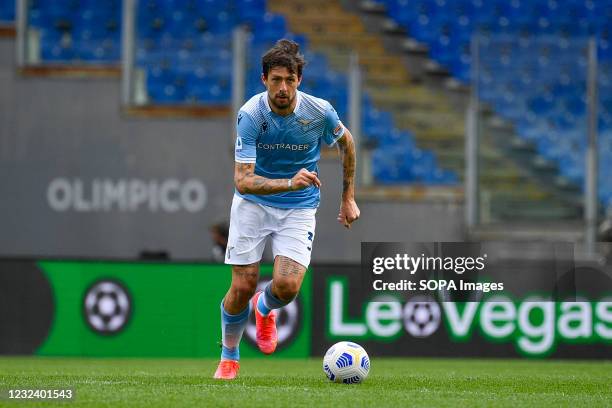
346,362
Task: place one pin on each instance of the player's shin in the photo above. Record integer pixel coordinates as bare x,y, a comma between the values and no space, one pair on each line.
232,327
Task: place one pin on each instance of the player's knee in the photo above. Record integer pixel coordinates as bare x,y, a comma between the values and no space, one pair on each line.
286,289
244,288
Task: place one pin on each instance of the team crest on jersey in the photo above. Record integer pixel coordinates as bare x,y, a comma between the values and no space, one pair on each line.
304,121
264,127
305,124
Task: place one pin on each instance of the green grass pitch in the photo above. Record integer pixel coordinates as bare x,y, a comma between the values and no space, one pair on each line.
301,383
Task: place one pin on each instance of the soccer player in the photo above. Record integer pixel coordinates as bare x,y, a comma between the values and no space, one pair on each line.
278,143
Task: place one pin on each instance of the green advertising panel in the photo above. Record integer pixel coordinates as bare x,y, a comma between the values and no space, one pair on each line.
387,324
154,309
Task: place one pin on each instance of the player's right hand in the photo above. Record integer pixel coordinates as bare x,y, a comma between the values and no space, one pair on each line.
305,178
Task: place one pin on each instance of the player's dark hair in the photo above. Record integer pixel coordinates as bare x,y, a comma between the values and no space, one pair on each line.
285,53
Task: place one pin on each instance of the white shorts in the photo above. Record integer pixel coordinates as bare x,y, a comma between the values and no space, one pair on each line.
291,231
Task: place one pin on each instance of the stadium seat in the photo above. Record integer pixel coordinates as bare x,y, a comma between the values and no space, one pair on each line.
376,124
250,10
7,11
386,168
70,31
532,69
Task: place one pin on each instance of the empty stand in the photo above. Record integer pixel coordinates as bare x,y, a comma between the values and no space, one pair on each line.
7,12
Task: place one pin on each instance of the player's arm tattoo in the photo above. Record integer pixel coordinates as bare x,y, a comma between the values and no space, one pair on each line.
247,182
347,147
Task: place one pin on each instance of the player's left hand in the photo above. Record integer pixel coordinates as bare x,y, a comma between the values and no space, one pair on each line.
349,212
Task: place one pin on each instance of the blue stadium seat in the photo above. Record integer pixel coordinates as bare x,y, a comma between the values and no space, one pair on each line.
250,11
210,91
78,31
538,85
166,93
376,124
422,164
572,167
269,27
7,11
54,51
397,137
387,167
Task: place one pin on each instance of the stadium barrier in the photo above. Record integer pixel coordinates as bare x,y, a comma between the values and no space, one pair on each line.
135,309
138,309
435,322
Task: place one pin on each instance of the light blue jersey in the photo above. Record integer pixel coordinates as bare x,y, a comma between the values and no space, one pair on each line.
282,145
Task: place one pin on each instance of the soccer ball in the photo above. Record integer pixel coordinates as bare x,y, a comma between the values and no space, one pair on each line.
346,362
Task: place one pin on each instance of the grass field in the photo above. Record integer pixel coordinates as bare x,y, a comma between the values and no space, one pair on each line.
295,383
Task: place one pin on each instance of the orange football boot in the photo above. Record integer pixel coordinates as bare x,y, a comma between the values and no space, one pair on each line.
227,370
267,337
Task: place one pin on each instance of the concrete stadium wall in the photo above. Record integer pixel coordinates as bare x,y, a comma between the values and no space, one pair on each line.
72,129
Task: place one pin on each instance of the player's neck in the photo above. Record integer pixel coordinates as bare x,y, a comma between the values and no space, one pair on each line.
284,111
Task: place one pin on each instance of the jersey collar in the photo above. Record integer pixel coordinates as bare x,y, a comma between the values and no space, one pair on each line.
297,103
266,101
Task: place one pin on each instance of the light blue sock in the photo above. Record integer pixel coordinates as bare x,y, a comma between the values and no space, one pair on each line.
261,306
267,301
232,327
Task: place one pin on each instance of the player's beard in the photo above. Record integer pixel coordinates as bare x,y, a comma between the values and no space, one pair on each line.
282,103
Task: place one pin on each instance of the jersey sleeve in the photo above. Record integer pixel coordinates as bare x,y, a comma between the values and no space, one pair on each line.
334,129
245,150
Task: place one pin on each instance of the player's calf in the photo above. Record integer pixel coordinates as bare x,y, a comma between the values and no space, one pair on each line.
235,311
